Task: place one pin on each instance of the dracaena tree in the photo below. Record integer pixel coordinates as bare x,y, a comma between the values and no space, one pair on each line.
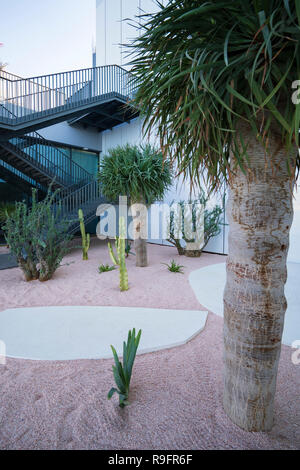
139,173
216,79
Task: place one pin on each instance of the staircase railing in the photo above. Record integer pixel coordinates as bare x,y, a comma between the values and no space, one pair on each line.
87,198
49,158
28,98
71,201
20,175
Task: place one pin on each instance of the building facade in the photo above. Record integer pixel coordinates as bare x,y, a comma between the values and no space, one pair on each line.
78,114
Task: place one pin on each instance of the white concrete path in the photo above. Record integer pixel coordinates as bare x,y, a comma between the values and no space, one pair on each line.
63,333
208,284
83,332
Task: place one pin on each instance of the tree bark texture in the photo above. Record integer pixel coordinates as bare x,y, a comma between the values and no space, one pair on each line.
260,214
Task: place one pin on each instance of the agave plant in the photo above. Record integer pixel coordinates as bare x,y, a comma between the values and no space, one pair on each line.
104,268
174,267
217,80
122,373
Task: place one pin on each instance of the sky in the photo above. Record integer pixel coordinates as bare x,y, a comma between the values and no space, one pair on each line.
46,36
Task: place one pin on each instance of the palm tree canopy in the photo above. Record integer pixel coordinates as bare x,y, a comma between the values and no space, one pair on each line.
200,66
138,172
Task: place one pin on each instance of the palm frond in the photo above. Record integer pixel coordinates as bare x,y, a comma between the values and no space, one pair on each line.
137,172
200,66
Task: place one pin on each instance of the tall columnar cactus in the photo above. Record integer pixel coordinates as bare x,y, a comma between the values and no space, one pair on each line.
85,237
119,257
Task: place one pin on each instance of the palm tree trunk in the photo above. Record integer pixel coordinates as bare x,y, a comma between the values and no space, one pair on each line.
140,247
260,214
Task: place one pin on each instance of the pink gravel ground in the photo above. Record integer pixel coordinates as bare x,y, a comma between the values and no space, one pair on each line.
176,395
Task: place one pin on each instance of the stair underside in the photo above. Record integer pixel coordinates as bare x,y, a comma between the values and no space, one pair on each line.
29,166
92,107
16,180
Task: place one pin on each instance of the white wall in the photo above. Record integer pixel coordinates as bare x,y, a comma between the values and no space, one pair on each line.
114,29
71,135
122,134
132,133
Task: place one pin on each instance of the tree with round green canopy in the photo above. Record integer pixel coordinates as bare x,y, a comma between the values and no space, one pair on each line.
141,174
219,82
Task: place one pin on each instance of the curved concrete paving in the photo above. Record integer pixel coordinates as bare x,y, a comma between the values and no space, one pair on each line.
208,284
85,332
64,333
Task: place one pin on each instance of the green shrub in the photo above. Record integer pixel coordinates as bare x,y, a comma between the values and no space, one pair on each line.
38,236
128,249
174,267
103,268
53,240
141,174
122,373
6,208
20,234
138,172
179,236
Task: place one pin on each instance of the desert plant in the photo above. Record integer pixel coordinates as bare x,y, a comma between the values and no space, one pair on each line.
86,238
218,82
181,224
20,235
174,267
104,268
52,240
141,174
37,236
122,373
119,258
6,208
128,249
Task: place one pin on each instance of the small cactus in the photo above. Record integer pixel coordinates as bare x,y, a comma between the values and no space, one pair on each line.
85,237
119,258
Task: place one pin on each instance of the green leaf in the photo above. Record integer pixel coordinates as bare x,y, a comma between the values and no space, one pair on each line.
226,44
111,392
122,375
182,90
119,382
298,10
119,367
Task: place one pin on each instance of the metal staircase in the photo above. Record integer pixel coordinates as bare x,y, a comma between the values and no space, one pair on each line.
32,161
78,188
88,197
36,102
36,163
94,97
38,159
18,179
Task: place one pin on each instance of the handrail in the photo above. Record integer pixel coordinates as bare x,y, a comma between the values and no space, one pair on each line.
74,200
22,100
15,77
19,174
36,77
56,161
34,97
